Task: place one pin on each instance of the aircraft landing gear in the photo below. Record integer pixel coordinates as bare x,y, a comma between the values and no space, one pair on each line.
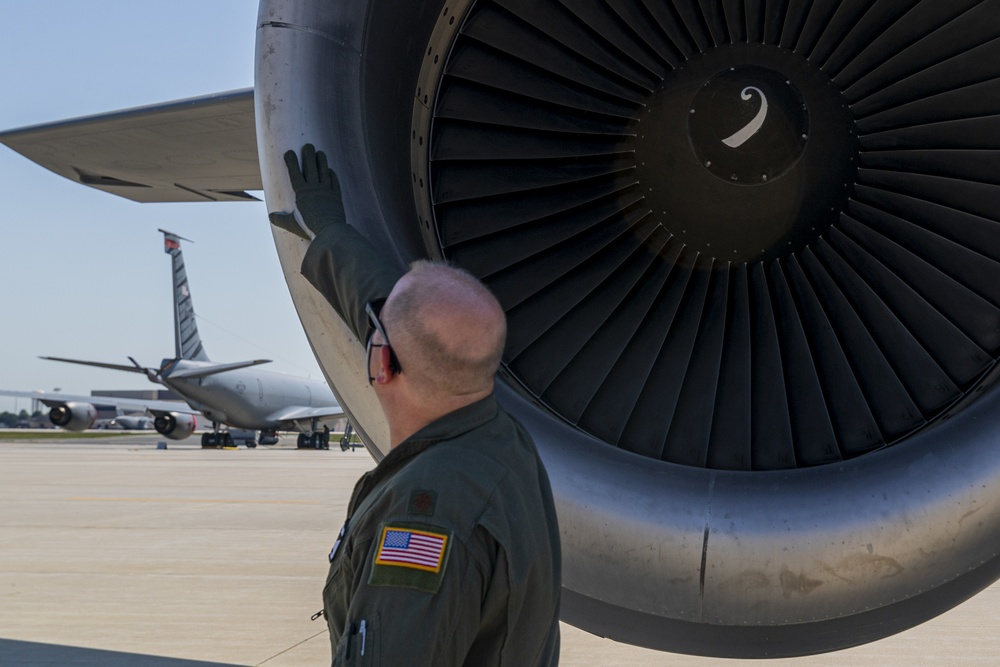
315,440
217,439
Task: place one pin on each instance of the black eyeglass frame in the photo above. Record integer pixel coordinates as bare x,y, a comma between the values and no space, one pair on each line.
373,308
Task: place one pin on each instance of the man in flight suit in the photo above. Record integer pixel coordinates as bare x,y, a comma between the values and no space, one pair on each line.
450,552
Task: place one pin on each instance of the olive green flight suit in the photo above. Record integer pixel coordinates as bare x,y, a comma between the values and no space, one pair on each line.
470,491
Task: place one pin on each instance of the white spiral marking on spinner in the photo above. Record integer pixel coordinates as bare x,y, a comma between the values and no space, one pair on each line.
753,127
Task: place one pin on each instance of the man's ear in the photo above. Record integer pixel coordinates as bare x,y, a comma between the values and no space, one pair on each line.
383,374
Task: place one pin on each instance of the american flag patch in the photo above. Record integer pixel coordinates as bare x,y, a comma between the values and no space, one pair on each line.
409,547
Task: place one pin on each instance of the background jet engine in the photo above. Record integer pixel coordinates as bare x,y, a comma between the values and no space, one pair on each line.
175,425
73,416
750,256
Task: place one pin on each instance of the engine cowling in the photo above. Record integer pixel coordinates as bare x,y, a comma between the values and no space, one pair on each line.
73,416
741,359
175,425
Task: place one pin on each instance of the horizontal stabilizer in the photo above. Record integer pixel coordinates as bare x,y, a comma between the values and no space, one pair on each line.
99,364
195,150
214,369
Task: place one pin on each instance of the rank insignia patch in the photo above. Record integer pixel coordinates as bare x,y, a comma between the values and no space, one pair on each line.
422,501
411,556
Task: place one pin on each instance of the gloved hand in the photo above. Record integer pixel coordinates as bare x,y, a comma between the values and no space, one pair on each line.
317,194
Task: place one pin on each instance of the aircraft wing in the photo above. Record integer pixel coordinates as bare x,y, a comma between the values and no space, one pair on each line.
296,413
52,399
193,150
195,372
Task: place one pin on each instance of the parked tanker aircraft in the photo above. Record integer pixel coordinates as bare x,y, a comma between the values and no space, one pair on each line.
133,422
231,394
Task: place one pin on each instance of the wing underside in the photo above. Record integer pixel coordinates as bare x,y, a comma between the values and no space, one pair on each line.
194,150
296,413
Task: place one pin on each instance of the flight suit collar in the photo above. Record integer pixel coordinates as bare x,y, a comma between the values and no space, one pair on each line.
447,427
455,423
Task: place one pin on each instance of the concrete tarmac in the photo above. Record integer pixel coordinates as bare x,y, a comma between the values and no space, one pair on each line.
114,552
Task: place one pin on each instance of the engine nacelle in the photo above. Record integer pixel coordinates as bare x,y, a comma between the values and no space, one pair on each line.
73,416
727,393
175,425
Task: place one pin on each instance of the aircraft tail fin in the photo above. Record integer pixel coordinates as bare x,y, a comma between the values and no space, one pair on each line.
187,342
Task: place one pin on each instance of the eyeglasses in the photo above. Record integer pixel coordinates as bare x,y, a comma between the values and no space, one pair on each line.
373,308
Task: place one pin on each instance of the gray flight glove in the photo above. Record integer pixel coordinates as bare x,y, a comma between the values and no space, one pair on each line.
317,194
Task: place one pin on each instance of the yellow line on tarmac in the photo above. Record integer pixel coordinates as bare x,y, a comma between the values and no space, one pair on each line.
196,500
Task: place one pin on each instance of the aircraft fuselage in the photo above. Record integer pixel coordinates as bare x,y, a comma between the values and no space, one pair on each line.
245,397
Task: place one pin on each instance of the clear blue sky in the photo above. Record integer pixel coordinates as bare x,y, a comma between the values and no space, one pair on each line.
83,272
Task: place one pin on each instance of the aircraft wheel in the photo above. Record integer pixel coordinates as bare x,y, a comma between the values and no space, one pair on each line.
303,440
251,444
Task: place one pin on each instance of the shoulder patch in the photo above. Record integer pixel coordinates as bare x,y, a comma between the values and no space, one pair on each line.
340,538
410,555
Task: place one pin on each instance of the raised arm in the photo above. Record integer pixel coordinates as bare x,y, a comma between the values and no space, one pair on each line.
341,263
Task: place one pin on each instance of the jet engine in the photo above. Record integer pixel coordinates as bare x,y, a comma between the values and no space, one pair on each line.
175,425
73,416
750,258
